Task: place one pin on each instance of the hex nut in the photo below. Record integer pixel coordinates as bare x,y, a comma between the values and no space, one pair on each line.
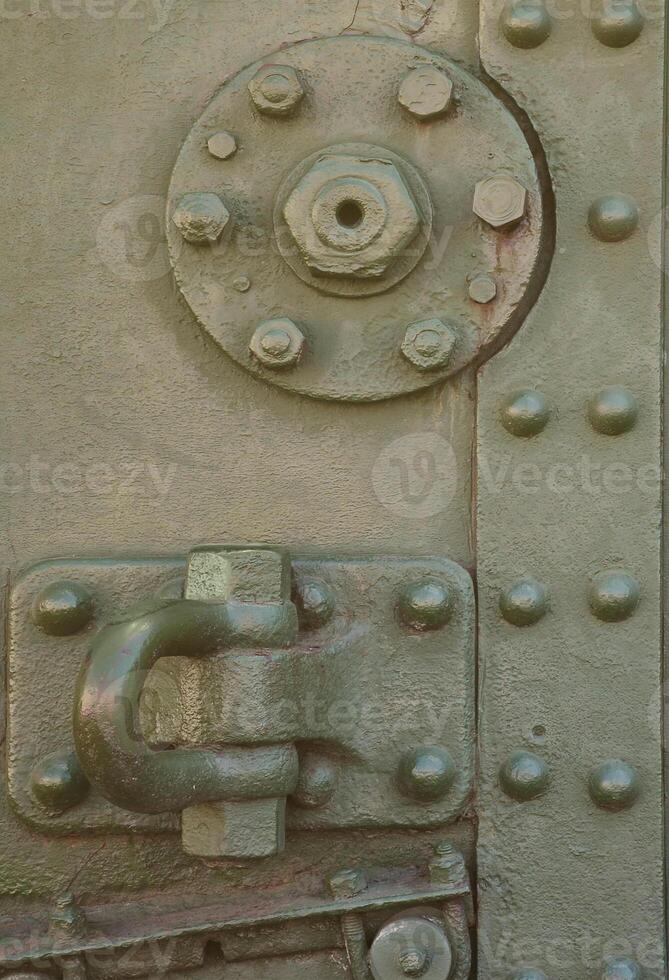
277,343
347,883
201,217
426,92
276,90
482,288
429,344
351,216
500,201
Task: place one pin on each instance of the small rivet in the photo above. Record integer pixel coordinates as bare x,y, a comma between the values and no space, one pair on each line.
621,968
277,343
316,783
500,201
347,883
524,603
426,92
613,217
526,23
614,596
315,603
201,217
429,344
222,145
62,608
482,288
613,410
427,773
618,23
58,782
524,776
276,90
525,413
614,785
426,605
242,284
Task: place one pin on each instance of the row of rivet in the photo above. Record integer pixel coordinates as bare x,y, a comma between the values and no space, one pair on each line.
612,596
613,785
611,411
527,23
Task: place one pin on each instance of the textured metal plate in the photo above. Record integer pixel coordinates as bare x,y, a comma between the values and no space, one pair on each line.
336,694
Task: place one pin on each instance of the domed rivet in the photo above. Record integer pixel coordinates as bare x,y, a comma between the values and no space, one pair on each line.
614,785
524,776
525,413
426,605
58,782
222,145
316,783
62,608
482,288
526,23
426,773
315,603
613,217
618,23
528,973
613,410
277,343
621,968
614,596
524,603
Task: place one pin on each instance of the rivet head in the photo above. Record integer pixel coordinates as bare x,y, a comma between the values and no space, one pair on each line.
429,344
222,145
618,23
427,773
500,201
525,413
315,604
276,90
316,783
526,23
613,217
614,785
613,410
58,782
482,288
614,596
621,968
242,284
201,217
426,605
524,603
524,776
347,883
277,343
426,92
62,608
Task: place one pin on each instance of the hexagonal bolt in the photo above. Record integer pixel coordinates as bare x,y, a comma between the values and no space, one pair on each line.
426,93
429,344
277,343
500,201
411,944
201,217
276,90
222,145
347,883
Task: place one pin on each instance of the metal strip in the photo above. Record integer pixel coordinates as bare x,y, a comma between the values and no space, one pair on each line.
566,880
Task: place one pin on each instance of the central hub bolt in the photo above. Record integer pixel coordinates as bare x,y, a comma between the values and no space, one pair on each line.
414,962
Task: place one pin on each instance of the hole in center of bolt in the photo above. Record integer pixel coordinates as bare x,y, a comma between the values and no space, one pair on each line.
350,214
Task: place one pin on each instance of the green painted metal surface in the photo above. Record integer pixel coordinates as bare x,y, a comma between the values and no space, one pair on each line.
331,496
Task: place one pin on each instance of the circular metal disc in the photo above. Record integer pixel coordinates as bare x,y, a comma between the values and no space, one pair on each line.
352,349
411,945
